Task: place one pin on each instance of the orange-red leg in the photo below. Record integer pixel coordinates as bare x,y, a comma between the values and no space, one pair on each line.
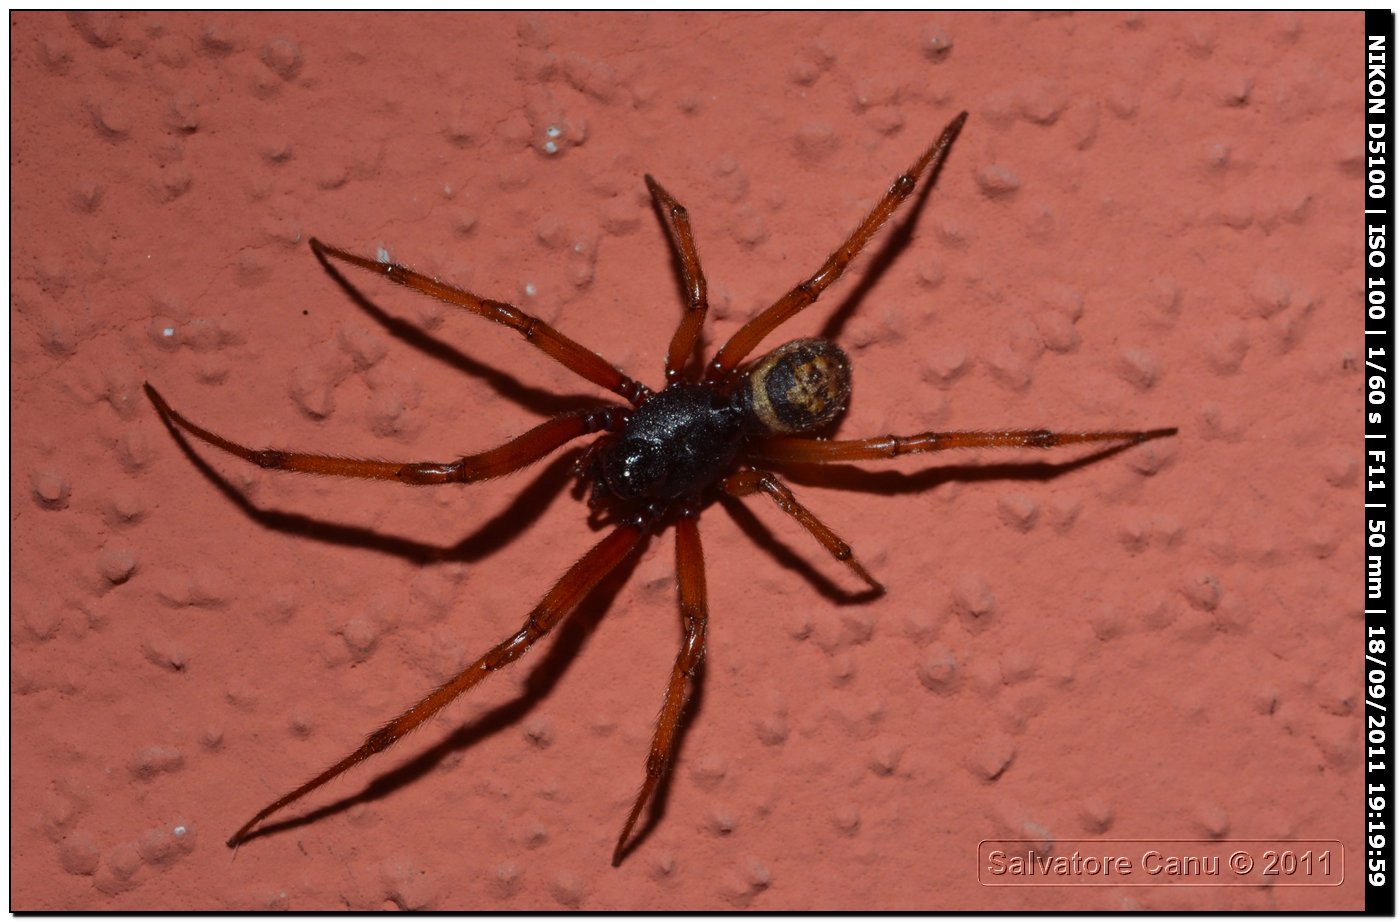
690,570
513,455
571,589
818,451
753,332
581,361
697,304
746,483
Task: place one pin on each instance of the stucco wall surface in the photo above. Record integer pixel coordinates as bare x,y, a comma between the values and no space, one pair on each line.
1149,220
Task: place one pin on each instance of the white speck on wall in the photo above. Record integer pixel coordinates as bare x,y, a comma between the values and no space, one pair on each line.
382,255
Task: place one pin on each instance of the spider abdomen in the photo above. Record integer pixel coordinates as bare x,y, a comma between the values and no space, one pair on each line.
677,443
801,386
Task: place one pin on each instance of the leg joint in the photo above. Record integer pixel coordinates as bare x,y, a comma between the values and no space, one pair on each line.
270,458
634,392
656,763
606,419
380,740
417,474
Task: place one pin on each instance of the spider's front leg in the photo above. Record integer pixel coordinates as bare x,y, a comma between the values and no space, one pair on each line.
697,302
690,570
805,294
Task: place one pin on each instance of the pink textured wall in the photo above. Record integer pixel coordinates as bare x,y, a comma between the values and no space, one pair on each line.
1149,220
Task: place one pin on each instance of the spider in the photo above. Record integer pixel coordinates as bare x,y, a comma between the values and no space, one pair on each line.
659,460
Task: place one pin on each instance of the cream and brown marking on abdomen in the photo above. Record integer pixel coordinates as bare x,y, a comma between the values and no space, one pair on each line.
800,386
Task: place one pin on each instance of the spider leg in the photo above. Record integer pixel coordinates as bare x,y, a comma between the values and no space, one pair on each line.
802,296
578,359
818,451
690,569
513,455
697,304
576,583
748,482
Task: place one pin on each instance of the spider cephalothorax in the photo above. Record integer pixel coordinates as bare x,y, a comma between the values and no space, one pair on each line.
672,447
662,459
682,441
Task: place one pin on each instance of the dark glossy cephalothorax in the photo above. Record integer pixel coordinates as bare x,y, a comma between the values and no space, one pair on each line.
680,443
659,460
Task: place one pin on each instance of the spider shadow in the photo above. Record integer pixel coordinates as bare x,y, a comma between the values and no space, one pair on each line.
884,483
788,558
533,398
571,636
896,483
524,510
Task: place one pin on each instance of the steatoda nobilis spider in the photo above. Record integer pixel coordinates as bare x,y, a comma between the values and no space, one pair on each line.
659,459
